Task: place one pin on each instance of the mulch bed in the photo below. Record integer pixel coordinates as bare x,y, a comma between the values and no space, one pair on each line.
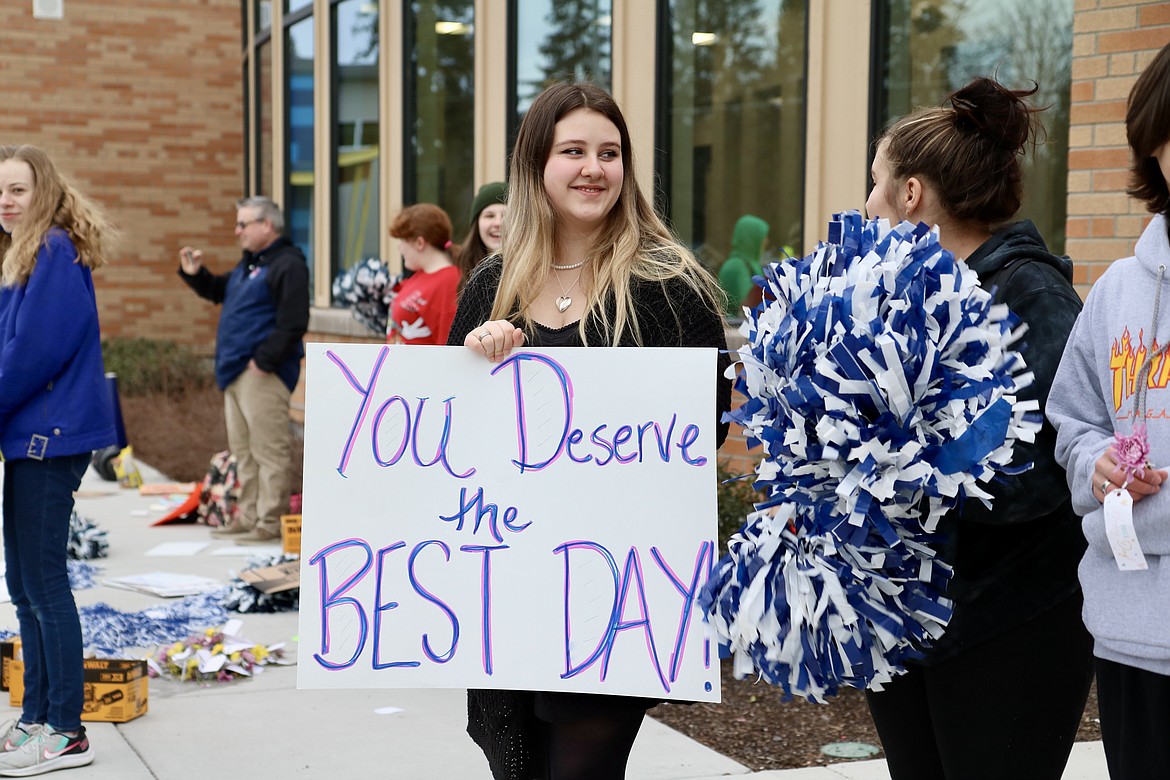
178,433
754,726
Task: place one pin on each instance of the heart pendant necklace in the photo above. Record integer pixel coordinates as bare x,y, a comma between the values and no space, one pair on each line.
565,300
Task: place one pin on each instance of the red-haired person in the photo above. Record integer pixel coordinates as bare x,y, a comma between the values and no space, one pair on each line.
424,302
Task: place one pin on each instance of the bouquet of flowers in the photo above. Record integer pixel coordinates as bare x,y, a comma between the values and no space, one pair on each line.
213,656
880,383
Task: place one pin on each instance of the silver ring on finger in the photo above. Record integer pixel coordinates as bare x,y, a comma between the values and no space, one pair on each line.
484,335
1105,486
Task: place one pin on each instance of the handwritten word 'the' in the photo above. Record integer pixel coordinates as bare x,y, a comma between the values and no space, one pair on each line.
626,443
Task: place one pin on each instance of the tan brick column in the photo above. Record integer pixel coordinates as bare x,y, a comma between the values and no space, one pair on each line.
1112,42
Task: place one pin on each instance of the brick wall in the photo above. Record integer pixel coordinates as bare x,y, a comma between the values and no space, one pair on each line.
1112,42
140,104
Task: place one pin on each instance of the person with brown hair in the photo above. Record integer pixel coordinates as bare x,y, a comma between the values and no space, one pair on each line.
423,303
484,227
1109,404
1016,628
585,262
55,409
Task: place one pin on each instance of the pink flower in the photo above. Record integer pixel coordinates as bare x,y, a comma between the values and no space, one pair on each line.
1132,452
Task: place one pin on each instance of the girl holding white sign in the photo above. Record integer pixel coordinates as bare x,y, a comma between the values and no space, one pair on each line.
585,261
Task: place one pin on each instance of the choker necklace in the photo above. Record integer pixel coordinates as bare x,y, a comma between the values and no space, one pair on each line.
567,267
564,301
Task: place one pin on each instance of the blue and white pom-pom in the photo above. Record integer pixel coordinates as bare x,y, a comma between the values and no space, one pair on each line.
880,383
86,539
242,597
366,289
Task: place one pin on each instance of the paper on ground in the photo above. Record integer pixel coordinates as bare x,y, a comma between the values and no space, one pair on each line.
243,551
165,584
177,549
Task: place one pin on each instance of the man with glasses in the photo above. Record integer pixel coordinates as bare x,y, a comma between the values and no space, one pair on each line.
257,359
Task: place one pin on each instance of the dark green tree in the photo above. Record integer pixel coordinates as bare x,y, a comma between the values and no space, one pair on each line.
578,46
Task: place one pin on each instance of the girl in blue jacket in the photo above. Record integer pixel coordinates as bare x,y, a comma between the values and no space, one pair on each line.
54,410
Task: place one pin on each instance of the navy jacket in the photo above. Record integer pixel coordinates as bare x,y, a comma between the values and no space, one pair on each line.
54,400
265,312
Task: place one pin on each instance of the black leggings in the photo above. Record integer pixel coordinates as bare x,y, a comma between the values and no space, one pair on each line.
1008,708
594,748
1135,721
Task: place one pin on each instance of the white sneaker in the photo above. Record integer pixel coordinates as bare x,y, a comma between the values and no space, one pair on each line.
47,751
13,734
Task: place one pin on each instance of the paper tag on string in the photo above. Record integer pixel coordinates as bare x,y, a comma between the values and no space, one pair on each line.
1120,532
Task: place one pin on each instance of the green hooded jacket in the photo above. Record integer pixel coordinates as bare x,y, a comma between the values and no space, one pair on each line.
735,275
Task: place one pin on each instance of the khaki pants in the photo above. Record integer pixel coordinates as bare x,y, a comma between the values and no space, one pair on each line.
256,410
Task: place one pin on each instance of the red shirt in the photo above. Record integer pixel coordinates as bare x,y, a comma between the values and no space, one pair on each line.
424,307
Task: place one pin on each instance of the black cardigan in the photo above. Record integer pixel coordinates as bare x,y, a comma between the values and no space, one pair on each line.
670,314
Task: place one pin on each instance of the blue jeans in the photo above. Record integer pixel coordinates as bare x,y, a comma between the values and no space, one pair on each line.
38,500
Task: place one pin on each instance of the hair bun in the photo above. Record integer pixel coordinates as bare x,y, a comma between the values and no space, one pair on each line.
998,114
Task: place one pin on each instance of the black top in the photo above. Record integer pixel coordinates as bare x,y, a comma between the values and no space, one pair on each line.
567,336
669,314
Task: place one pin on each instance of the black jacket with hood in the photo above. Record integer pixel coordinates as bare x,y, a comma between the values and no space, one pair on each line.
1019,558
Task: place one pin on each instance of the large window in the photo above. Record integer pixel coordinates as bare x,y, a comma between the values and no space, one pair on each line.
926,49
357,221
262,15
731,120
264,118
299,84
559,40
440,119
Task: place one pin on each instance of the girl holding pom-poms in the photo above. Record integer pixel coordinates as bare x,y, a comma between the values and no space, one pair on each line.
1108,404
1001,693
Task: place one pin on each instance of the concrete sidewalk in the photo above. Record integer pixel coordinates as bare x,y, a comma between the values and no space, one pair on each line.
265,728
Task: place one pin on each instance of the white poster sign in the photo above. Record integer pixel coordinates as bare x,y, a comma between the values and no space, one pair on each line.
544,523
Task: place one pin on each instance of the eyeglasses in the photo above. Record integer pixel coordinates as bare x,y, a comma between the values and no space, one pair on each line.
242,225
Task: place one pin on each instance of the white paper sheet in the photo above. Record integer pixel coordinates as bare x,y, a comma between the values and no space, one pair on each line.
176,549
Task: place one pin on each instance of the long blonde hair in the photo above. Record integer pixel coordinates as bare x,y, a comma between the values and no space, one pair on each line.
634,243
55,203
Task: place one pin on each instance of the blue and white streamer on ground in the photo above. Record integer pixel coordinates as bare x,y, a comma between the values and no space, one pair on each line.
881,387
107,632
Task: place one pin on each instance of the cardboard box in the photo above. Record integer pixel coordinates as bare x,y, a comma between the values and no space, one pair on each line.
274,579
115,689
9,650
290,534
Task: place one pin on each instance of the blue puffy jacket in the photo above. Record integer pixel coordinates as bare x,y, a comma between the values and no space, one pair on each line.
54,400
